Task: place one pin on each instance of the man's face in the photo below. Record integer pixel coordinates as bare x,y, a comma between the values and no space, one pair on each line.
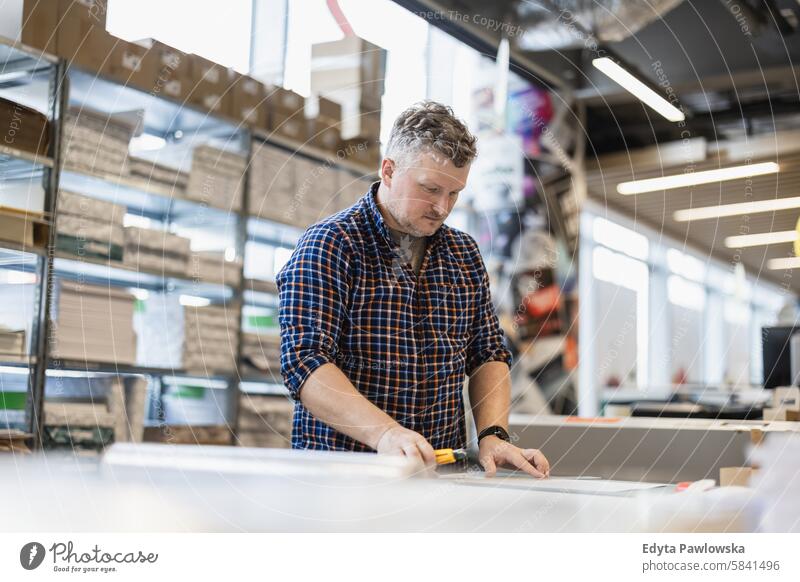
420,196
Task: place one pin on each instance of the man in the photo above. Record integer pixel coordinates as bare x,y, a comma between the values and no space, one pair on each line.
384,309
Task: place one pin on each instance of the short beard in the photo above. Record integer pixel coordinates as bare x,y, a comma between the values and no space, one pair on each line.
404,223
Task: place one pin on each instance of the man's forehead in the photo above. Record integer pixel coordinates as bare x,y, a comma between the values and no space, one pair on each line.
441,170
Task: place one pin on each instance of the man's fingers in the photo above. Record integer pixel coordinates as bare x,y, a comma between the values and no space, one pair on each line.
517,459
537,458
488,466
426,450
411,450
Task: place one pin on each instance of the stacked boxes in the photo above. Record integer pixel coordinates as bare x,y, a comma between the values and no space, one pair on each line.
265,421
351,71
94,408
156,250
151,66
24,128
88,227
158,174
95,142
93,323
295,190
286,113
211,339
350,190
324,118
216,178
248,100
210,83
785,404
12,344
271,185
212,267
262,353
165,70
81,36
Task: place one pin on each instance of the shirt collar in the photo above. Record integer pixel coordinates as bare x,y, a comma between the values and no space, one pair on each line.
381,225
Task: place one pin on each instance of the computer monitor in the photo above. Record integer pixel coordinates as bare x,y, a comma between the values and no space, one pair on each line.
776,349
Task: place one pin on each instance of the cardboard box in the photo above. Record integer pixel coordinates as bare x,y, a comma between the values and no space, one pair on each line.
285,101
366,152
82,38
209,85
788,398
40,25
323,135
23,228
327,111
347,63
780,414
291,125
248,100
171,68
131,64
735,476
361,125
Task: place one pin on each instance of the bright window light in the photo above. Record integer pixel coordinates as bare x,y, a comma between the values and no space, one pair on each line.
282,255
194,301
619,269
696,178
736,312
685,293
219,34
638,89
619,238
685,265
137,221
146,143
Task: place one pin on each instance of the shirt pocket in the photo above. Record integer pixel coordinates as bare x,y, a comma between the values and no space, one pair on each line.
450,309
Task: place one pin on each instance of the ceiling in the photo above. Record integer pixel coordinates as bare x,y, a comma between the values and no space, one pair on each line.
731,65
730,62
655,209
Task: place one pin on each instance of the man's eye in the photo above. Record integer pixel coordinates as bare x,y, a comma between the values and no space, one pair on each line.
429,190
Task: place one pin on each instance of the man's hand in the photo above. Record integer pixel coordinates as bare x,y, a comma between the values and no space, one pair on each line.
402,441
494,451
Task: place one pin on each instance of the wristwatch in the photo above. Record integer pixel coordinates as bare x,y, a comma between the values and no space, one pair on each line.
497,431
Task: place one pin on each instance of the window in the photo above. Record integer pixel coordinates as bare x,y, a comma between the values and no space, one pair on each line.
700,319
217,31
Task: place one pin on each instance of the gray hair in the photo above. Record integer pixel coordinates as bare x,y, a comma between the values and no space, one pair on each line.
429,126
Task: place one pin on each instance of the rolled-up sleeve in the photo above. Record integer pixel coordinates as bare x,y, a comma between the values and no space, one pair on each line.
486,343
313,288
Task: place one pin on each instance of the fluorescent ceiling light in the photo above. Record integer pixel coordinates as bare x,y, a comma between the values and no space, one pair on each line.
638,89
695,178
737,209
787,263
760,239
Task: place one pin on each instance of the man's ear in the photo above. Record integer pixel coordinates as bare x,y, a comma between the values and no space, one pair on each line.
387,172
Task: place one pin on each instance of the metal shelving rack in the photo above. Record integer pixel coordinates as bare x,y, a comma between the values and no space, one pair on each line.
165,118
34,80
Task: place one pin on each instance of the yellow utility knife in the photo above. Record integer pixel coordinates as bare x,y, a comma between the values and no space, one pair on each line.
449,456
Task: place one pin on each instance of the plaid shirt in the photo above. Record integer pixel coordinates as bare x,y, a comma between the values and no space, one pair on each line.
404,341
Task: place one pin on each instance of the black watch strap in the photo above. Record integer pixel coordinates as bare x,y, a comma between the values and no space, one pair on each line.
497,431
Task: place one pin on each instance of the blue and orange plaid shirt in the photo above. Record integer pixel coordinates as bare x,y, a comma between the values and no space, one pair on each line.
404,341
